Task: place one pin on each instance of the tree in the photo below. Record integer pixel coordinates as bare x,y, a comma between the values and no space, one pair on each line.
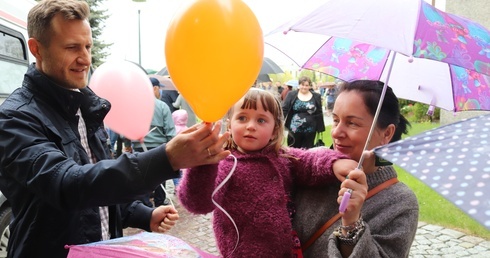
96,20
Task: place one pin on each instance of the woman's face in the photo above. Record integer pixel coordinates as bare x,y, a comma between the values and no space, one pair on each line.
304,87
351,125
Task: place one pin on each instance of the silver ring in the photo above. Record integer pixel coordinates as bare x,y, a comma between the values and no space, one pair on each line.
209,152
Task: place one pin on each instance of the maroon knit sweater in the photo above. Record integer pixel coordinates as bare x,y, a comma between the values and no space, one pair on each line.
256,197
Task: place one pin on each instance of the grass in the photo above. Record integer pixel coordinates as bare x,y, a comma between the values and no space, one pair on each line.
434,208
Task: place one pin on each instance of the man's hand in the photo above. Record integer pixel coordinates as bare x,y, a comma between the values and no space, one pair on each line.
199,145
163,218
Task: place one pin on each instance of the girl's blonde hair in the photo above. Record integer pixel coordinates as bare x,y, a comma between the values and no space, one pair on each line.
271,104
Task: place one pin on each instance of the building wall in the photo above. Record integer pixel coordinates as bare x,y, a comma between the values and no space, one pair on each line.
475,10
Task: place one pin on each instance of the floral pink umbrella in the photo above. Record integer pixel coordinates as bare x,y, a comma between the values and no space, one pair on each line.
409,27
143,245
426,54
432,82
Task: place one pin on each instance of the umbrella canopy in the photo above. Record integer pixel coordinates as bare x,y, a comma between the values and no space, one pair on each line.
167,82
163,72
264,78
431,56
270,67
424,80
453,159
145,244
293,83
410,27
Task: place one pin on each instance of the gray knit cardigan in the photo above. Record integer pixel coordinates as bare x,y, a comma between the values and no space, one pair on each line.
391,219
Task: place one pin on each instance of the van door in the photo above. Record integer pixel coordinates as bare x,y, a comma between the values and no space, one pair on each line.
13,60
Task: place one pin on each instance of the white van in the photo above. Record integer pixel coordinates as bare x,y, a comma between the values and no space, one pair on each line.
14,60
14,53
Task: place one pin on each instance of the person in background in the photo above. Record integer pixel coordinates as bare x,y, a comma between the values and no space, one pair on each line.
304,115
279,87
257,195
383,225
161,131
181,103
55,165
180,118
112,140
285,91
169,97
331,94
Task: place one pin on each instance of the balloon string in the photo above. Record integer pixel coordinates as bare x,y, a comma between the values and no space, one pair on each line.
166,194
221,208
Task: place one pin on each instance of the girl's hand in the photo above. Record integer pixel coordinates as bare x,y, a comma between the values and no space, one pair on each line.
342,167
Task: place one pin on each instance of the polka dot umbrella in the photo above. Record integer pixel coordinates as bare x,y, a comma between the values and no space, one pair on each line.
453,159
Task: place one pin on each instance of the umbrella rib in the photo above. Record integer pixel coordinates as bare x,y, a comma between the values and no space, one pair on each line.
376,115
283,53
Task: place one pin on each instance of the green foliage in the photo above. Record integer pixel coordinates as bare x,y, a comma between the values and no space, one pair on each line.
435,209
97,18
289,75
417,112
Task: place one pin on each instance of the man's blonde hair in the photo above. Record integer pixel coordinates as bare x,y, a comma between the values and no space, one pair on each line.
40,16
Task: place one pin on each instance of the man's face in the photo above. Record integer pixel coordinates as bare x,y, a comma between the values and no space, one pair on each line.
67,58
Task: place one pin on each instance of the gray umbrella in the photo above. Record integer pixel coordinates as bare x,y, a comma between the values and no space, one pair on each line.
268,67
453,159
163,72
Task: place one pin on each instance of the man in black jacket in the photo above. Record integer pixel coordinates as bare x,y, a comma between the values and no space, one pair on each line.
55,166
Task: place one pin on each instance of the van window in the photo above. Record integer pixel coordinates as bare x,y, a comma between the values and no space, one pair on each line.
13,60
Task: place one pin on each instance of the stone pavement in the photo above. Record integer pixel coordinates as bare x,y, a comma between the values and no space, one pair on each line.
431,241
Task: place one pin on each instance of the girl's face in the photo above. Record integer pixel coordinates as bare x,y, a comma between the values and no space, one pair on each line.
351,125
251,129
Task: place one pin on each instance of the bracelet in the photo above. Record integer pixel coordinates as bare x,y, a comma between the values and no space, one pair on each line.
351,227
354,232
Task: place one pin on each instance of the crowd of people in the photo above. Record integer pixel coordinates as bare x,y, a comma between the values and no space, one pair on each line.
269,195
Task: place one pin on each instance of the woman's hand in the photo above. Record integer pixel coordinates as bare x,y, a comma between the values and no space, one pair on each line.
356,181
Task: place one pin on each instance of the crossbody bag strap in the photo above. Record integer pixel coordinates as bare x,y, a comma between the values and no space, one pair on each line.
337,216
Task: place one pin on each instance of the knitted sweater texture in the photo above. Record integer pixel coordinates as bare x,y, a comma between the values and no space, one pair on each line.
390,216
256,197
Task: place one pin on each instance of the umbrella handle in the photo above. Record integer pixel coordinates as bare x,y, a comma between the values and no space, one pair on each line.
345,200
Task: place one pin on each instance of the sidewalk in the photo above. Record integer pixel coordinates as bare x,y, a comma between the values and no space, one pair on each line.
431,241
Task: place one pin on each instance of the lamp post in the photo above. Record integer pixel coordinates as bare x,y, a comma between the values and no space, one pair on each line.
139,31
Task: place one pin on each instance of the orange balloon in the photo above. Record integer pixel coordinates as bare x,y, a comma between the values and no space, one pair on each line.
214,51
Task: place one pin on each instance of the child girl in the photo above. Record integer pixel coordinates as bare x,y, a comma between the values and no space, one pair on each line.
180,117
257,196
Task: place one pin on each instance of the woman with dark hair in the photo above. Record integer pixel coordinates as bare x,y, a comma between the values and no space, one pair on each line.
302,109
389,218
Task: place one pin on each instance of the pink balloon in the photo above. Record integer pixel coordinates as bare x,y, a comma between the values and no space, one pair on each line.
130,93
